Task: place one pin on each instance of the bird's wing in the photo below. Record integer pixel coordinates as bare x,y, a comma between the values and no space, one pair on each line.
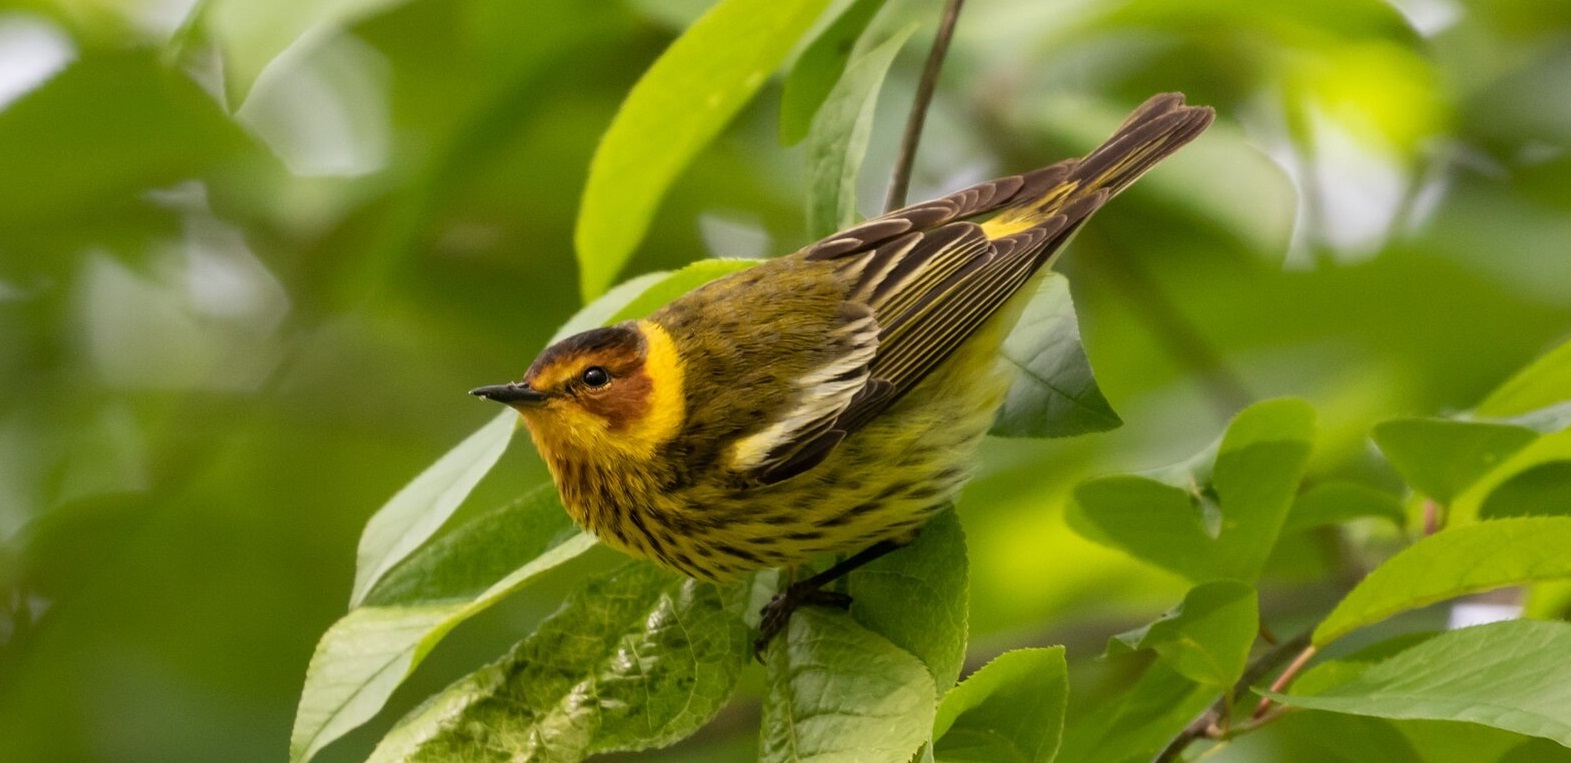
801,436
960,278
929,278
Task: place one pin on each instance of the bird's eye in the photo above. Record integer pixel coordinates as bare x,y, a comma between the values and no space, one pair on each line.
595,376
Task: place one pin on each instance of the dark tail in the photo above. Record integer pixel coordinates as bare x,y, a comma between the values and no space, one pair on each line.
1159,127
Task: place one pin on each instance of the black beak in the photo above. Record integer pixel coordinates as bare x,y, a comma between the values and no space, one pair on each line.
512,393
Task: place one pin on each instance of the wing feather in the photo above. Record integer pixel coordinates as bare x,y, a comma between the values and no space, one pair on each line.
821,396
924,279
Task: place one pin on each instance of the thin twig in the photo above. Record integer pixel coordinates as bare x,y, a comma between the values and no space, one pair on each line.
1282,680
900,183
1432,517
1206,724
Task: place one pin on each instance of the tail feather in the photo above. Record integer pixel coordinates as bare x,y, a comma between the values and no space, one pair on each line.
1154,131
932,276
1161,126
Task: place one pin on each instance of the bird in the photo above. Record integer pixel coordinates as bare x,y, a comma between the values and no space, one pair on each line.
826,402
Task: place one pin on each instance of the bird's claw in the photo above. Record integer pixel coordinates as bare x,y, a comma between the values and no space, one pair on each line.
777,613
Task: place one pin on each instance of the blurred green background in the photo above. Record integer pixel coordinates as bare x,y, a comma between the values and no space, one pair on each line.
253,254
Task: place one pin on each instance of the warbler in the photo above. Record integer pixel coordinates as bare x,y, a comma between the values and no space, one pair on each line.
824,402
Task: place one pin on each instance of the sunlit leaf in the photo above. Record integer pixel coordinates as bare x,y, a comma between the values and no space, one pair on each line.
640,296
1456,561
609,307
837,141
1011,709
916,598
839,692
370,651
1053,393
1545,382
819,67
1539,490
678,283
472,557
634,659
680,104
1207,637
1527,476
1511,675
1442,457
420,508
1333,672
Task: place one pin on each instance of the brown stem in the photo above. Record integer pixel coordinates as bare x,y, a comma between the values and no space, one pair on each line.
1433,518
900,183
1207,724
1282,680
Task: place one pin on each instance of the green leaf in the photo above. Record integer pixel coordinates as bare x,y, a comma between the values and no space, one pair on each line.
1312,736
819,67
1453,562
640,296
1011,709
1207,637
108,127
1223,524
1137,724
1553,418
1510,675
1536,487
250,36
837,141
1333,503
1317,736
420,508
1543,383
634,659
607,307
839,692
366,654
1441,458
463,563
1539,490
1462,742
1328,673
1053,393
677,107
678,283
916,598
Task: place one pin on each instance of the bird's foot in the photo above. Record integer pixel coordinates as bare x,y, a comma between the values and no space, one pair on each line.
777,613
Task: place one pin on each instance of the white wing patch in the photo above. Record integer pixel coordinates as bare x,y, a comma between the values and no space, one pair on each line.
822,394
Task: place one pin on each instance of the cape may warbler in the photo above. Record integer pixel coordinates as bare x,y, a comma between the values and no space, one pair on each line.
827,401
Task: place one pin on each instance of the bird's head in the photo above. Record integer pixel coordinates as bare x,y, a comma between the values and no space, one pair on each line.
610,390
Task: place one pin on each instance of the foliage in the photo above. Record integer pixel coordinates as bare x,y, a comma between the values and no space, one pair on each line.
251,261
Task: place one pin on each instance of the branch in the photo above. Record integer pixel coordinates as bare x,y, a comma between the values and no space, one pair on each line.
1206,724
900,183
